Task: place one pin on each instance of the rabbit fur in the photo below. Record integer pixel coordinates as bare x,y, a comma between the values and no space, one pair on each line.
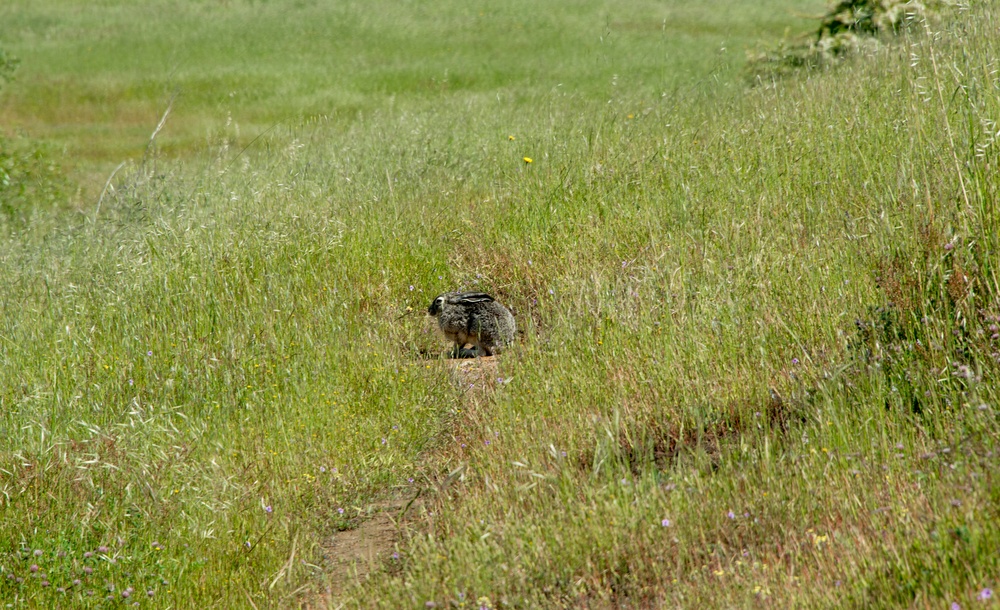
474,318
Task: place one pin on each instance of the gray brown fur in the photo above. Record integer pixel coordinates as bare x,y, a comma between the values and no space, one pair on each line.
474,318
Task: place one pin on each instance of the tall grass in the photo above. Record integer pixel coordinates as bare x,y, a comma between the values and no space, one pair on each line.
756,367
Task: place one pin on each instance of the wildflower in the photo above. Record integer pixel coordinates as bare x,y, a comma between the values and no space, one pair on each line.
150,593
731,515
985,594
409,480
795,360
395,555
268,509
322,468
38,552
77,582
88,570
45,583
528,160
955,606
511,138
149,353
102,549
665,523
33,568
411,287
340,510
126,594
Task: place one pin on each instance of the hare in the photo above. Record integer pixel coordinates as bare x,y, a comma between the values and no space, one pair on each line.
474,318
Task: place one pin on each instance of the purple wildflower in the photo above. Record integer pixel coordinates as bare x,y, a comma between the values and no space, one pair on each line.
665,523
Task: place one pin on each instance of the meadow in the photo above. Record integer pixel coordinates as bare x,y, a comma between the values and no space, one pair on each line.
760,318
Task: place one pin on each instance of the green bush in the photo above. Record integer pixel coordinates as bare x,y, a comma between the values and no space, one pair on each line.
847,27
8,64
28,176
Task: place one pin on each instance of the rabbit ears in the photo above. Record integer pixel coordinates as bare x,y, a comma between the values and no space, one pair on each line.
468,298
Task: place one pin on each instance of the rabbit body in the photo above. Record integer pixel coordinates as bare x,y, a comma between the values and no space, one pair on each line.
474,318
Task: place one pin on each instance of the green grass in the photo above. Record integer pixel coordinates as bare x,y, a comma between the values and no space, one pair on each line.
759,346
96,78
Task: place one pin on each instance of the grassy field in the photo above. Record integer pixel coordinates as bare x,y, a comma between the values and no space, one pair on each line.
95,78
760,324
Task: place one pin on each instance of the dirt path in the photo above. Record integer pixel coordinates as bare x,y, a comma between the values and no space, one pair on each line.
350,555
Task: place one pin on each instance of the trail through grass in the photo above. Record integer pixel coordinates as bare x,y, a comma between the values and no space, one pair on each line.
760,328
